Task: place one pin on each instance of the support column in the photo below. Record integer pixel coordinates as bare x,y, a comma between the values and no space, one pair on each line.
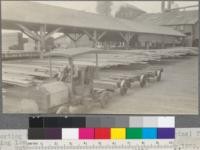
76,37
97,65
37,45
31,34
42,40
95,36
127,38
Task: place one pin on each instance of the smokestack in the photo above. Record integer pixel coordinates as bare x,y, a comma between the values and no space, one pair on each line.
162,6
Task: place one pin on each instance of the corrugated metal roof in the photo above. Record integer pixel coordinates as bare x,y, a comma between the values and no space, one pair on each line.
32,12
170,18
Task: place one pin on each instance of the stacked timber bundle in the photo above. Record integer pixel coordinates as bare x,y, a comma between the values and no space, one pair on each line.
27,72
16,54
24,75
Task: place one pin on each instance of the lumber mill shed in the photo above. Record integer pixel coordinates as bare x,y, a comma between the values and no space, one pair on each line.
40,21
186,22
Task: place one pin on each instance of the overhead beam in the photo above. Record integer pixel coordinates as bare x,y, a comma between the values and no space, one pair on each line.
28,32
102,34
95,36
88,34
79,36
75,38
127,36
48,35
62,36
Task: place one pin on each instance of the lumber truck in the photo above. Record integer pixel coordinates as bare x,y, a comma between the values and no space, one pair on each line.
78,88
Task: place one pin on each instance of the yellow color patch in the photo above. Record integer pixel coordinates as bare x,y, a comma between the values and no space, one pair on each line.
118,133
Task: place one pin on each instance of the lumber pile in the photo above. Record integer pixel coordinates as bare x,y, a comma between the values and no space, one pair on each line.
15,79
26,72
16,54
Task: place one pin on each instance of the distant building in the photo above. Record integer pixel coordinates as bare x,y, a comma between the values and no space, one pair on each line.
186,22
13,41
128,11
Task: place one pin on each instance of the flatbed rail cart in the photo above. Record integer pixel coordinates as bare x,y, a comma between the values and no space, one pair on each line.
125,80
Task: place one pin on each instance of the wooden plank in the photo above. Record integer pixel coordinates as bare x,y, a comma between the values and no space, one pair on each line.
25,72
104,84
28,67
16,81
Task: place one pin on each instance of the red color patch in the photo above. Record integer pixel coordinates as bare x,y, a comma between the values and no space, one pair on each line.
102,133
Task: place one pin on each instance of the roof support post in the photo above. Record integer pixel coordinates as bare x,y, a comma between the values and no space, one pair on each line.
48,35
95,36
97,64
42,40
37,45
127,36
31,34
76,37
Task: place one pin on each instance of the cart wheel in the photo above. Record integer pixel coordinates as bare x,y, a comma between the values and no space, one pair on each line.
123,87
142,81
62,110
158,75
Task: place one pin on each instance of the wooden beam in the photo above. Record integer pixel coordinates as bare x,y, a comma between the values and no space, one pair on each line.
70,36
127,37
48,35
88,34
62,36
97,65
94,36
101,35
122,35
42,40
42,36
80,35
28,32
76,38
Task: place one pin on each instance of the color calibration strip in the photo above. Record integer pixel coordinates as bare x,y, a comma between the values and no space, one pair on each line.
84,128
101,133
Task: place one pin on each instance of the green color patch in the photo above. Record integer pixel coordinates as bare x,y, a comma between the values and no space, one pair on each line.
133,133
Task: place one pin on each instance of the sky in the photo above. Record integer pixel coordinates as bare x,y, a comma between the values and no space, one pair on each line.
90,6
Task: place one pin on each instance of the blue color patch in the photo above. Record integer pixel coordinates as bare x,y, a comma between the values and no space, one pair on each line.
149,133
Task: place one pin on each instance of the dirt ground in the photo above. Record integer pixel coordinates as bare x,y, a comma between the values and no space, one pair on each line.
176,93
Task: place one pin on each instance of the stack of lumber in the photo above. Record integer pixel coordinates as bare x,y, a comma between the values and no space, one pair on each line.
16,79
15,54
27,72
24,75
